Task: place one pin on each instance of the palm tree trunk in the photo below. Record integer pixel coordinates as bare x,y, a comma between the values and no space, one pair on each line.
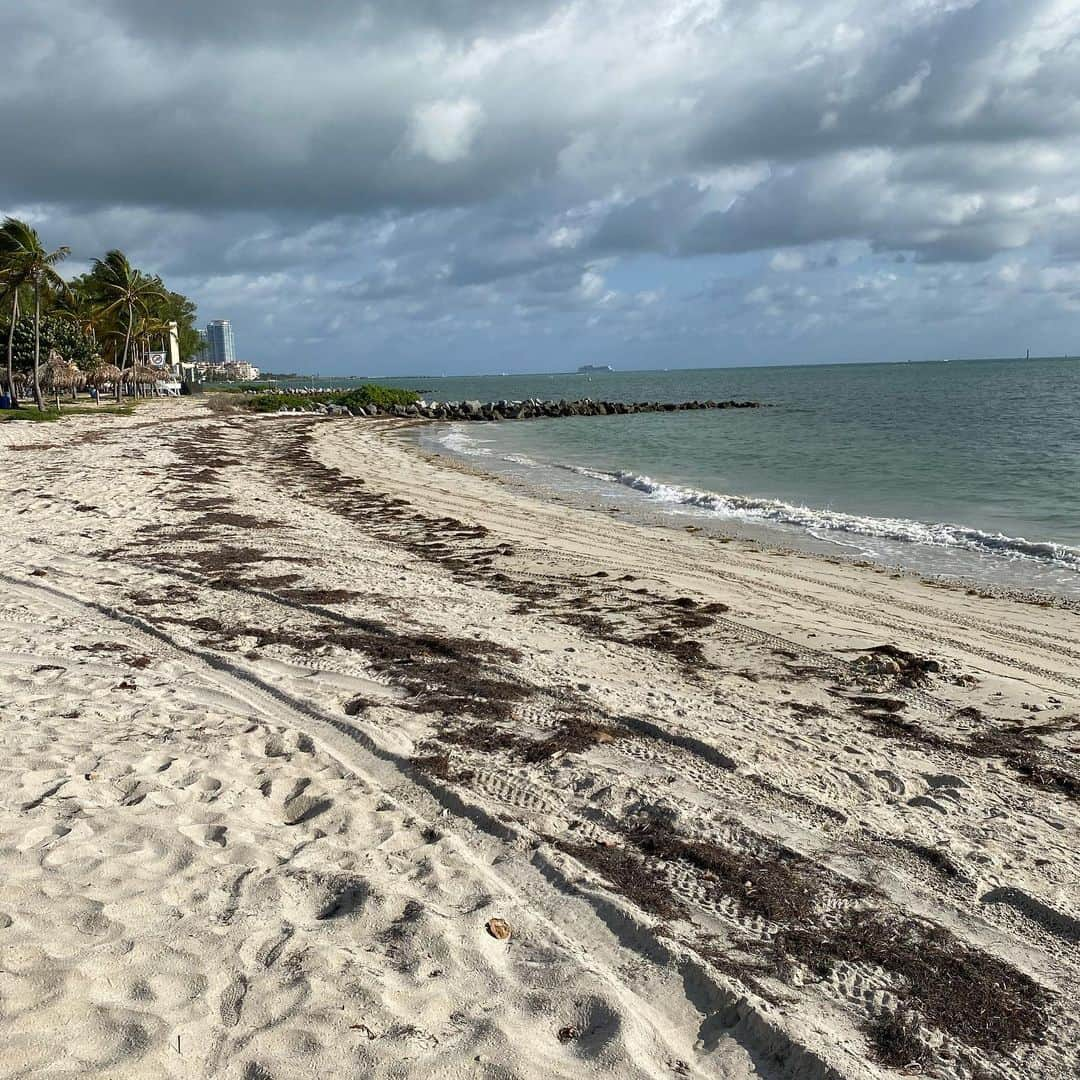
11,349
37,345
124,360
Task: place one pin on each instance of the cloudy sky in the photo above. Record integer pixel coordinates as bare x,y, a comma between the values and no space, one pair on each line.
437,186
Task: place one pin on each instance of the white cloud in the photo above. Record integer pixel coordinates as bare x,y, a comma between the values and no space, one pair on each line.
906,93
787,261
565,237
444,130
592,287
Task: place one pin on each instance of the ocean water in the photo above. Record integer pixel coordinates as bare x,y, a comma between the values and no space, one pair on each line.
968,468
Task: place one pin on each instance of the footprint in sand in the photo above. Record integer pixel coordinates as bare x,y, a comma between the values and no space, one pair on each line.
43,834
232,1001
309,896
269,950
938,781
304,808
275,747
132,791
112,1036
206,835
894,783
154,763
594,1028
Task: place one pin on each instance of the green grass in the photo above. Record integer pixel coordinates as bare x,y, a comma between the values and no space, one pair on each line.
368,394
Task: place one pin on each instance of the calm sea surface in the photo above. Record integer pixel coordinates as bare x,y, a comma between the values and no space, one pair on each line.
968,468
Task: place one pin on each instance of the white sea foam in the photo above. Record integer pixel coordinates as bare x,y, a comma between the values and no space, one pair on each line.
819,521
458,441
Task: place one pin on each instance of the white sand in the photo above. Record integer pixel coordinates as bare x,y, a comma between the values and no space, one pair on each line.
207,868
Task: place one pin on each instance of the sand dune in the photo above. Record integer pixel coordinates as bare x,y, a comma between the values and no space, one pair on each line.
291,713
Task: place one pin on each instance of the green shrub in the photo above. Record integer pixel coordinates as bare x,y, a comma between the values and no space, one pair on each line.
274,402
355,397
373,394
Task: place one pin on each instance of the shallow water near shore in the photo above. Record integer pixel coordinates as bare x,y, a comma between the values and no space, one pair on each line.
965,469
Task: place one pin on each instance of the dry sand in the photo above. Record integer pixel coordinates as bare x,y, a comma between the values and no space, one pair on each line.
291,712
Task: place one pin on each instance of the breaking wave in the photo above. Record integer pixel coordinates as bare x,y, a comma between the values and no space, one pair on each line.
827,525
816,520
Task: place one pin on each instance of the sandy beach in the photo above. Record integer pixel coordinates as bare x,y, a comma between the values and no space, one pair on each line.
325,758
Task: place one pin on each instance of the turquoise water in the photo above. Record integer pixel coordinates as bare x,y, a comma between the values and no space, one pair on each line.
968,468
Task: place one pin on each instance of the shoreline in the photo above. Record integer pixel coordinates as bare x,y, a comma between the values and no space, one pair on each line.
762,536
321,708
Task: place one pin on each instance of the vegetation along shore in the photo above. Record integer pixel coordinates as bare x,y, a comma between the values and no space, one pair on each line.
95,331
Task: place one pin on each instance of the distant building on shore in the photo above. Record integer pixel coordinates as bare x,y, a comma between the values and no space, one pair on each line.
216,359
220,344
234,371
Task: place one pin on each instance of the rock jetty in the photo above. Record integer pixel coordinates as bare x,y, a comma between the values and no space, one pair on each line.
533,409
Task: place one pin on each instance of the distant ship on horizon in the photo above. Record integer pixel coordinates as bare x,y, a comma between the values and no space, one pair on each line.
585,368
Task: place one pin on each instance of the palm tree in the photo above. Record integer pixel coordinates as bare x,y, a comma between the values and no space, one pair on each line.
78,306
127,290
10,287
12,283
148,328
27,262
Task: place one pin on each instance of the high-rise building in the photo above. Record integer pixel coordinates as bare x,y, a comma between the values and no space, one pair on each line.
220,347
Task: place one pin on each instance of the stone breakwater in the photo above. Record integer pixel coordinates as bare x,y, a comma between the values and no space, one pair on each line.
523,410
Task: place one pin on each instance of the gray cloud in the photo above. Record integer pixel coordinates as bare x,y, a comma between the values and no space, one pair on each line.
348,169
215,22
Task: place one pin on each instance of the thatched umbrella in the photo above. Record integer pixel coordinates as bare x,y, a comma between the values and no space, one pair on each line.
104,375
54,370
58,374
141,375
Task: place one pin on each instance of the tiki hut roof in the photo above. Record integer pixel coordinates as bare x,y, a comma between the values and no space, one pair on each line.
105,373
60,374
54,365
142,373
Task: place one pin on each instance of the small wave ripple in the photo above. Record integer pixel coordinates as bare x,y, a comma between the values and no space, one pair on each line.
775,511
815,520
